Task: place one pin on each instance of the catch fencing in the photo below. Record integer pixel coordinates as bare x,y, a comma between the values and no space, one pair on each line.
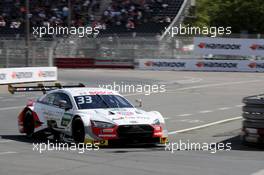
102,52
117,50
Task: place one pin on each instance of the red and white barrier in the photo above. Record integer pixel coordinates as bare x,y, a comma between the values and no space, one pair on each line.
229,46
114,63
201,65
94,63
28,74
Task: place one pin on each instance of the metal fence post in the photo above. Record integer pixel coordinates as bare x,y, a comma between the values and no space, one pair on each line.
7,58
51,58
33,56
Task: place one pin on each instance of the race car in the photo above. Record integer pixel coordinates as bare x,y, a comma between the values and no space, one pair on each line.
89,115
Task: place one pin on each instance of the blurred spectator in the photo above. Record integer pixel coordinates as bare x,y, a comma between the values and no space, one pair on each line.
131,13
2,22
126,14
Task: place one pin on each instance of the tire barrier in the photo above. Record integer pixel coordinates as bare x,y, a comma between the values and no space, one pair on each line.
253,111
253,124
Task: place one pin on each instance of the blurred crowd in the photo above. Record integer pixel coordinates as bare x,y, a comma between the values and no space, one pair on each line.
131,13
126,13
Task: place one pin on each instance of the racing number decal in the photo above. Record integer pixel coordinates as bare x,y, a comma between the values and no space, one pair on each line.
66,119
84,100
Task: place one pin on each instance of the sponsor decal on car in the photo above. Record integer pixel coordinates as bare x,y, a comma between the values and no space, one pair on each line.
100,92
118,118
125,113
66,119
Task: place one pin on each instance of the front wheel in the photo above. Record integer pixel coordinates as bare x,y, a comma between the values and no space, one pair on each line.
78,133
29,124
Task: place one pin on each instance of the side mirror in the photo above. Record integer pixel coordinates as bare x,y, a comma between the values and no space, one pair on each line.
64,105
139,103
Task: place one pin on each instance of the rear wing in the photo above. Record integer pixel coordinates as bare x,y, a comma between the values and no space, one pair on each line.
40,88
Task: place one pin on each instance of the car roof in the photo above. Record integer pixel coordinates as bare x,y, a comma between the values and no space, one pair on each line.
89,91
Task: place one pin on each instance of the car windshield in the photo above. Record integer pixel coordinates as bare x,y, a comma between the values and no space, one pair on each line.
101,101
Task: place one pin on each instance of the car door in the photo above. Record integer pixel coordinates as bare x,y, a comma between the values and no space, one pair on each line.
43,108
60,115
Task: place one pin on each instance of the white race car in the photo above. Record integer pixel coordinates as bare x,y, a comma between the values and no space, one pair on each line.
89,115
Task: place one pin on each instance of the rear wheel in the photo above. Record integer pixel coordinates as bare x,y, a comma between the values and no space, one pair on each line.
78,133
29,124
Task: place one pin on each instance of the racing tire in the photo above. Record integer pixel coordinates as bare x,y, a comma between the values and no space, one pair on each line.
254,100
78,132
29,124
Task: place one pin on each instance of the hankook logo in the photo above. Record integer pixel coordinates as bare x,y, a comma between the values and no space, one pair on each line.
257,47
46,74
20,75
164,64
2,76
254,65
216,65
219,46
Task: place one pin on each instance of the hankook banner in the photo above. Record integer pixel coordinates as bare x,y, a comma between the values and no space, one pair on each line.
201,65
229,46
29,74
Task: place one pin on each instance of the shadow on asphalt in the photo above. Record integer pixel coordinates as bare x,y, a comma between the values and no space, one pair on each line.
23,138
114,148
236,144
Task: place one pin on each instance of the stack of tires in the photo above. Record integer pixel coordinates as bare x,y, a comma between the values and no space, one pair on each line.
253,124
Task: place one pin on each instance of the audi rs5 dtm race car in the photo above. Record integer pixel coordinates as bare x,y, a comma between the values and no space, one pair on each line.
89,115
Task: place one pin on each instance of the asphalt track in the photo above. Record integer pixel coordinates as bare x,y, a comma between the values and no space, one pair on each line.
199,107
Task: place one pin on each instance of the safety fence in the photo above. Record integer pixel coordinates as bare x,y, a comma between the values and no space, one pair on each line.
87,52
135,51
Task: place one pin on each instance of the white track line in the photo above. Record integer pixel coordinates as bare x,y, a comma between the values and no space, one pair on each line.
205,126
224,108
239,106
206,111
5,141
215,85
184,115
11,108
7,152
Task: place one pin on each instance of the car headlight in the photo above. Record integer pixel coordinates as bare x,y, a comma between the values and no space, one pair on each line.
156,122
99,124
